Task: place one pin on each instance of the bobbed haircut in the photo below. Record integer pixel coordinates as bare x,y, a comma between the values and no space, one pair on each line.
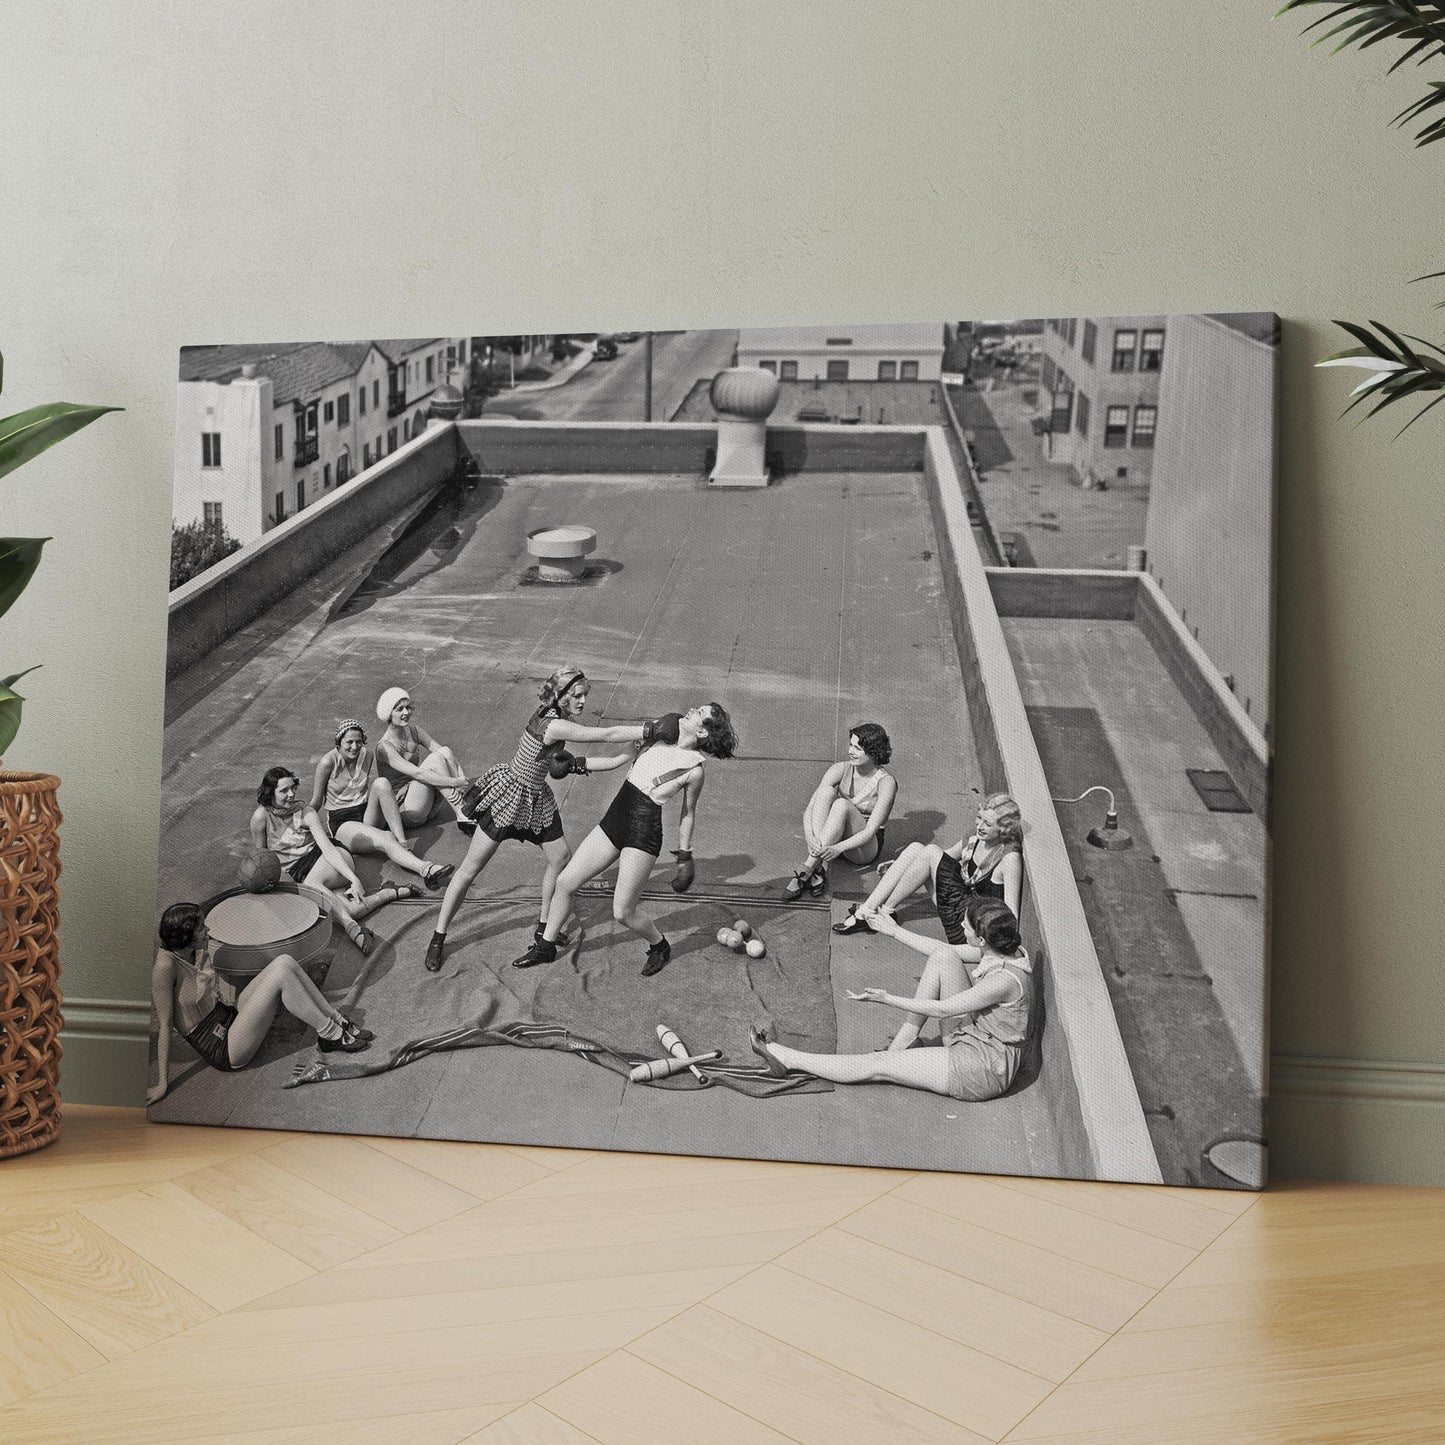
993,920
873,739
562,681
266,793
1010,820
179,924
719,739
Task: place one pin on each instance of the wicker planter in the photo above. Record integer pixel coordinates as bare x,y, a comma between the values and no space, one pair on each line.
29,962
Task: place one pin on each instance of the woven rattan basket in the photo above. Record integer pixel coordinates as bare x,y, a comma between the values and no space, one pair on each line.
29,962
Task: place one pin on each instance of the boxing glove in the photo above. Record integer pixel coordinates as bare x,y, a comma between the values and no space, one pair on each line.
559,765
684,873
664,729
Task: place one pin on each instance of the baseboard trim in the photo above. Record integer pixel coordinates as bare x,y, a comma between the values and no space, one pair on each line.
1302,1077
119,1019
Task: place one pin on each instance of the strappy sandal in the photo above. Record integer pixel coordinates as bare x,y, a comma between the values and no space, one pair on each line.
758,1041
798,883
854,923
363,938
437,876
818,883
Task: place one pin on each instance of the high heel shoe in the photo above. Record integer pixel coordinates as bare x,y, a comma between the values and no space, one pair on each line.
363,938
352,1027
436,877
854,923
542,951
797,883
758,1041
348,1043
818,883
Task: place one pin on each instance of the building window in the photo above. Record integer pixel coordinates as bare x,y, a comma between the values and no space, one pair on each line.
361,402
909,371
301,494
788,371
839,341
280,507
771,366
462,351
428,368
1091,333
1124,342
1081,415
210,449
406,428
887,371
326,477
1151,350
366,455
1146,418
1116,426
1069,329
280,442
211,515
390,440
837,371
343,409
1063,412
328,412
343,468
376,396
451,357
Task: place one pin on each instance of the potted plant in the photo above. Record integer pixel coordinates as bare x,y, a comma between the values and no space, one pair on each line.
29,844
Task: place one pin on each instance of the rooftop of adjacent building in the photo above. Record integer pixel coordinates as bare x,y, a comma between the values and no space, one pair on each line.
296,369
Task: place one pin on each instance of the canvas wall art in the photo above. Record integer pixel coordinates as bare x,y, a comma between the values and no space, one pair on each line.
844,743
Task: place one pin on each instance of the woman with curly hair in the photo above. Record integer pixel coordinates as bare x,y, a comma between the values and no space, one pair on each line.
513,800
982,994
987,864
849,810
224,1026
630,833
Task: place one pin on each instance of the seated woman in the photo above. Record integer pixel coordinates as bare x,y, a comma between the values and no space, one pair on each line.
298,837
513,800
223,1026
630,833
355,801
982,994
849,811
987,864
413,764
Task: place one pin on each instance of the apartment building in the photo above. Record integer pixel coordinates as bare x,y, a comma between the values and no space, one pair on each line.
906,352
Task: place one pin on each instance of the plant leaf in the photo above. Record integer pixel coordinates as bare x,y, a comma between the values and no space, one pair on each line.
10,702
19,557
28,433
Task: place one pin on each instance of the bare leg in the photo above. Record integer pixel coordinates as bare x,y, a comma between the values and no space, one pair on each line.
918,1068
347,911
632,875
382,807
446,759
596,854
359,838
558,855
479,854
943,975
912,870
416,803
283,982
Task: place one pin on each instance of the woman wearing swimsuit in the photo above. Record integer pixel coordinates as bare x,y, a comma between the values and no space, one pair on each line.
513,800
630,833
987,864
354,802
981,993
849,811
223,1026
298,837
414,765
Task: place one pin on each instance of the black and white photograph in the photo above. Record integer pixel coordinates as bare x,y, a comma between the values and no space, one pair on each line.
843,743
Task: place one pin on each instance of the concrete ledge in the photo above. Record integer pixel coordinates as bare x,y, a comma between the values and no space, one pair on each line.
1136,597
1082,1046
224,598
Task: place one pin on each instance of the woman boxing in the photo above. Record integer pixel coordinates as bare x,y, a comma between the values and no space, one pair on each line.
849,811
223,1026
412,762
298,837
982,994
987,864
355,802
630,833
513,800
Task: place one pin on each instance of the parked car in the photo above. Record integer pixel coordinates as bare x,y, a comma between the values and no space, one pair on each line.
605,350
626,335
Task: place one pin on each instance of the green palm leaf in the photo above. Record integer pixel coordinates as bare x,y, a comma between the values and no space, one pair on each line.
10,703
19,557
28,433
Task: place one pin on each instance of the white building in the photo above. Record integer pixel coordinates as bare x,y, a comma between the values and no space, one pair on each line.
907,352
263,430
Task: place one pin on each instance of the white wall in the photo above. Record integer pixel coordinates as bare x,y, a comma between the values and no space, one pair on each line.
241,414
248,169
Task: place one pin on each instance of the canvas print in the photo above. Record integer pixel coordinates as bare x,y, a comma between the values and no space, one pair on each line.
844,743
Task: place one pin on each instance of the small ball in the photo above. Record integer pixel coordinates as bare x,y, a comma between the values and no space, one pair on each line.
735,939
743,927
722,936
756,948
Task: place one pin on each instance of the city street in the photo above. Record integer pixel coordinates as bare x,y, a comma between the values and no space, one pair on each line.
615,390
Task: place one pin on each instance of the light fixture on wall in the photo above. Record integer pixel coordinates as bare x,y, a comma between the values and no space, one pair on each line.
1107,835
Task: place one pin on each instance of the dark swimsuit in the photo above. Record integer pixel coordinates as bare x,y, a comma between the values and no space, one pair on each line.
956,882
633,820
208,1038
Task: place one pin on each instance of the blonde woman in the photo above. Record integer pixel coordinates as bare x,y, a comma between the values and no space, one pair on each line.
412,762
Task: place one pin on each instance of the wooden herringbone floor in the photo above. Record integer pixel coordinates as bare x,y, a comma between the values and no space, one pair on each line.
176,1284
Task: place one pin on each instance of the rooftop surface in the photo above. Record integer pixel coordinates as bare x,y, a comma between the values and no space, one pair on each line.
805,608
